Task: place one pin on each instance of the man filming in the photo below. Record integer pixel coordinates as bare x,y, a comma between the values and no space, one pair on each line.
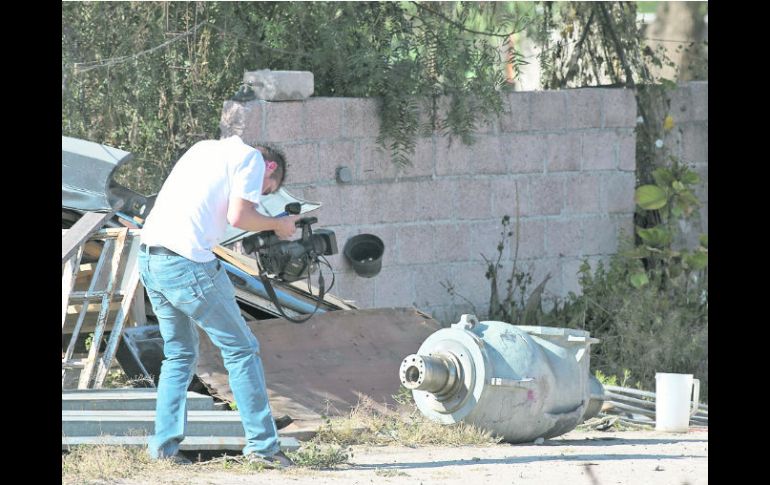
214,183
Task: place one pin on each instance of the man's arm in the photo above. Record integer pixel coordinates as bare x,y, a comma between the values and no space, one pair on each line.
241,214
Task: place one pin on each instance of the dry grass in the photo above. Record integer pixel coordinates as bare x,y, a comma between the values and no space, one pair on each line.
105,463
366,425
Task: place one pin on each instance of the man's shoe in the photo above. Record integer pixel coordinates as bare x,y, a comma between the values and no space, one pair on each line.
178,459
278,460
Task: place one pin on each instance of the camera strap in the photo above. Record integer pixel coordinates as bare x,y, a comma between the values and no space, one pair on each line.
274,298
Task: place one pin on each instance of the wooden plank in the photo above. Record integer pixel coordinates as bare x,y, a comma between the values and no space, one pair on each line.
76,308
88,372
68,280
117,328
138,310
81,231
100,267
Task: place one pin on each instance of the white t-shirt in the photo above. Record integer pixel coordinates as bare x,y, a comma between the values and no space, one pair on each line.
190,214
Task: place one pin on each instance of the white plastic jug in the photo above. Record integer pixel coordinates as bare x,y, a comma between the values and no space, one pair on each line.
673,406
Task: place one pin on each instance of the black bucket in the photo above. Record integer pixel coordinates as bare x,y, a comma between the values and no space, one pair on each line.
365,254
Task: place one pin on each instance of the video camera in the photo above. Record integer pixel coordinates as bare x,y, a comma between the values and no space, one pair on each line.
292,260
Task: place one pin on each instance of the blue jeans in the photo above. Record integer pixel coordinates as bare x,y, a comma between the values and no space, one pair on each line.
184,294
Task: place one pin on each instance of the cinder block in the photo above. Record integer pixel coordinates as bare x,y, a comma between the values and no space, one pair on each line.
350,286
563,152
473,199
600,150
524,153
619,190
539,269
546,195
415,244
469,281
510,195
452,242
484,239
435,199
398,203
331,211
323,118
571,276
517,115
302,163
280,85
374,162
627,151
695,143
242,119
700,100
285,121
333,155
361,118
583,194
549,110
584,108
681,106
453,157
619,108
531,239
599,236
564,237
429,281
394,287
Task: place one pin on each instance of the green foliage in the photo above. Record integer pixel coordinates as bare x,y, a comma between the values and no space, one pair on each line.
151,77
313,455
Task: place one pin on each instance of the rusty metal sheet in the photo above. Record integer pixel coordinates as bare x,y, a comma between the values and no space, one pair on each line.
324,366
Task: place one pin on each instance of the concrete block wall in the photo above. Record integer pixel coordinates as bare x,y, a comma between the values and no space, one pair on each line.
563,161
689,142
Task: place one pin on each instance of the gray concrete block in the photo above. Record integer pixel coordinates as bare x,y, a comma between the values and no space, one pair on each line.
695,143
564,237
619,190
700,100
584,108
242,119
627,151
510,195
517,116
583,193
350,286
323,118
681,106
524,153
428,285
436,199
549,110
563,152
531,239
484,239
280,85
600,150
331,211
619,108
333,155
599,235
473,199
302,163
415,244
453,157
360,118
394,287
470,282
546,195
452,242
285,122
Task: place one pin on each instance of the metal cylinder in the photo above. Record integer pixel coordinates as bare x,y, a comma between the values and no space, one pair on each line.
520,382
436,374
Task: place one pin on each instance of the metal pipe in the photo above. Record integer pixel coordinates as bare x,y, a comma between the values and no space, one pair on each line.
428,373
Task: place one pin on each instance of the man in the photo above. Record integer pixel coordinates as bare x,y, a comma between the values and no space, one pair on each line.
215,182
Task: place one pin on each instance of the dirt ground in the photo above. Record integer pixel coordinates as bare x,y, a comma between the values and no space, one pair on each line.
578,457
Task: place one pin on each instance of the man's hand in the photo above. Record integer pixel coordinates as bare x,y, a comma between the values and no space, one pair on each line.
285,226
